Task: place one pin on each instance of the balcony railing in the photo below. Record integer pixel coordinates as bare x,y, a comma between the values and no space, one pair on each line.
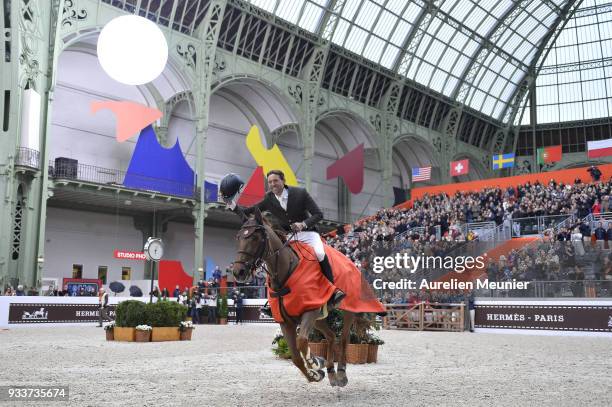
27,157
70,169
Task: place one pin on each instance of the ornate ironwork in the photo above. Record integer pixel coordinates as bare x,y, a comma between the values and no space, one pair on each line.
188,53
296,93
70,14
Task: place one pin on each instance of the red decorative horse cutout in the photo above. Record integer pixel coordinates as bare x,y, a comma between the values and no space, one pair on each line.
297,292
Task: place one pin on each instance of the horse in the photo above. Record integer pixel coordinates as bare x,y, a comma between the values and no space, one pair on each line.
258,243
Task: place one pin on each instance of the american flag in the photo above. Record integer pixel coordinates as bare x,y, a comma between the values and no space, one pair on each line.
421,174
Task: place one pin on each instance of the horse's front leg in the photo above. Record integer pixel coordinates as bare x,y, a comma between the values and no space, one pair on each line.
349,318
330,336
291,338
313,364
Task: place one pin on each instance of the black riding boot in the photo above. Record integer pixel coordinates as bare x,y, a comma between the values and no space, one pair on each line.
327,272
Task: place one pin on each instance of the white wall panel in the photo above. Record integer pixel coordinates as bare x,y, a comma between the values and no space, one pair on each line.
89,239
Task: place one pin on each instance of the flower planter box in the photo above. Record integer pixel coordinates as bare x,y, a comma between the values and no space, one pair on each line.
363,353
142,336
318,349
161,334
222,321
186,334
357,353
353,353
124,334
110,335
372,353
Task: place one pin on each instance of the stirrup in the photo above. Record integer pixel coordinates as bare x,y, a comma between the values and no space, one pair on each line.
336,298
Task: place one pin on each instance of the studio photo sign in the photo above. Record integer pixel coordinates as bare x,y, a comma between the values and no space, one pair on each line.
55,313
545,317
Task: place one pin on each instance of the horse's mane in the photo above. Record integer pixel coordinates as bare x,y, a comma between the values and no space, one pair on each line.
271,222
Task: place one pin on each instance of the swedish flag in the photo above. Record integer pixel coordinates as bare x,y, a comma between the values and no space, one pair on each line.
503,161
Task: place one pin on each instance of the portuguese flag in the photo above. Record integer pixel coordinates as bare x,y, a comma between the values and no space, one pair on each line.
549,154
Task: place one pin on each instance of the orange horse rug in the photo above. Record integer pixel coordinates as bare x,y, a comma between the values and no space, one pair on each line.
307,288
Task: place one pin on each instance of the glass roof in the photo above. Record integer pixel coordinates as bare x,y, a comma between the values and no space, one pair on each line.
474,51
575,82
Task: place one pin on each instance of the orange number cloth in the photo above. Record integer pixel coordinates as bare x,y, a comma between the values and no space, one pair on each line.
309,289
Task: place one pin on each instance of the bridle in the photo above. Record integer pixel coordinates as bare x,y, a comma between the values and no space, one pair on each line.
255,260
263,251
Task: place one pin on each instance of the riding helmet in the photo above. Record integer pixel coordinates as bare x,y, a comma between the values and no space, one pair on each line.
230,186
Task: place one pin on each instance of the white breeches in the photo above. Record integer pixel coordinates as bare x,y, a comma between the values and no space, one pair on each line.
313,240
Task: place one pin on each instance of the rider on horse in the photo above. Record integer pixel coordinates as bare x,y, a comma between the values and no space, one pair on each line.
295,211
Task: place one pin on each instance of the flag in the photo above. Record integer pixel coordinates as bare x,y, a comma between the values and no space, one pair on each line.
211,192
421,174
503,161
460,167
549,154
400,194
599,148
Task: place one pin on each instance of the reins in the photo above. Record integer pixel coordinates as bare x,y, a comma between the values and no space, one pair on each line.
264,251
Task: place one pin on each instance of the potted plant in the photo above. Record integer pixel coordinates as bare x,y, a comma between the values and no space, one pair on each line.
280,347
317,344
129,314
222,307
186,328
110,331
374,341
165,317
357,349
143,333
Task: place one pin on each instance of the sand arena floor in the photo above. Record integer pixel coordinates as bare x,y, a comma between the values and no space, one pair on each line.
233,366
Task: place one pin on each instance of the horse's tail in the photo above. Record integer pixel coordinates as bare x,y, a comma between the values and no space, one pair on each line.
363,322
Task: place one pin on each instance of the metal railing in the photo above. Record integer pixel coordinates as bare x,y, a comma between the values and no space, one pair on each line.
482,230
27,157
553,230
534,289
70,169
537,224
556,289
593,220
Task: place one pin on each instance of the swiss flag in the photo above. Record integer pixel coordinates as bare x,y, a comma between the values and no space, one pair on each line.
460,167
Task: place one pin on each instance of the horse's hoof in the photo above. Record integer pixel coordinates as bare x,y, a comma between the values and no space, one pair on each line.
332,380
318,363
341,379
315,375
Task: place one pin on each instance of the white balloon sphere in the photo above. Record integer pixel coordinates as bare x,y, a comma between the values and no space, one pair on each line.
132,50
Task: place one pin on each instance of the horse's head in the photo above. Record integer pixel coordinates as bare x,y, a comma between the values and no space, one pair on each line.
253,245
